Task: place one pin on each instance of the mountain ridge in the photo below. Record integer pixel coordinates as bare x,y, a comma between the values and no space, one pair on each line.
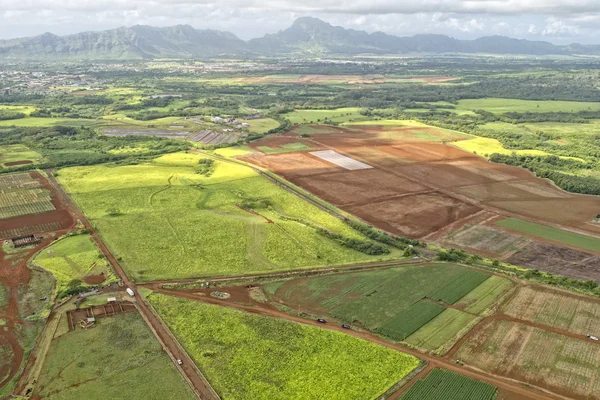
307,36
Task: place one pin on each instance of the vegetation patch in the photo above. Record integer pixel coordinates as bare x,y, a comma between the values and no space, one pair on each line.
550,233
485,295
284,148
457,288
440,330
406,322
246,356
118,358
441,384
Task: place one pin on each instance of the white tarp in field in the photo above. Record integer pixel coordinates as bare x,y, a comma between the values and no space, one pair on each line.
340,160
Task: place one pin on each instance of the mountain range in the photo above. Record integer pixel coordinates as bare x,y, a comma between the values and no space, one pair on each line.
306,37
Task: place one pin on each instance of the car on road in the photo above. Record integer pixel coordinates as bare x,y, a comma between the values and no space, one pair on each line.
179,362
346,326
592,337
321,321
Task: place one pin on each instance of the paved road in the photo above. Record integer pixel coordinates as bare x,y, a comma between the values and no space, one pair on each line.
193,375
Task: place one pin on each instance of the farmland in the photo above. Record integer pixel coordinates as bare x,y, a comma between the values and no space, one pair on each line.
545,306
316,116
236,352
231,222
551,360
17,154
501,106
74,258
445,385
486,146
393,302
119,358
484,295
28,205
550,233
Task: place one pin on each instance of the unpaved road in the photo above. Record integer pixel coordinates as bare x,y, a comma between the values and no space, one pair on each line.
192,374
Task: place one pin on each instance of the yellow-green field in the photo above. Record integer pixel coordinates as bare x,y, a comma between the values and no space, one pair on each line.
500,106
486,147
261,125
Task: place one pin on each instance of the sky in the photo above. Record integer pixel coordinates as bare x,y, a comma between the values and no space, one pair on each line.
557,21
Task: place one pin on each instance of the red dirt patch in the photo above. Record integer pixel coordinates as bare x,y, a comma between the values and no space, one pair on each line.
292,164
23,162
95,279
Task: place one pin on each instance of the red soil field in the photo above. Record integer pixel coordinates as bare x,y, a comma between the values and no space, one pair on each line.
60,215
293,164
23,162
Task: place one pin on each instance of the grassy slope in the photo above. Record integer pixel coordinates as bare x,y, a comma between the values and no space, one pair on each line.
550,233
174,223
261,125
118,359
73,257
253,357
313,116
511,105
18,152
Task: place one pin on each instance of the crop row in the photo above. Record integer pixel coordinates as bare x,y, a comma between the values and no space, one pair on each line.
446,385
23,197
410,320
14,180
25,209
457,288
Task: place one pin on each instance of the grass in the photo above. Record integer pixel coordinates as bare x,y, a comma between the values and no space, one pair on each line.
234,151
119,358
500,106
484,296
45,122
18,152
486,147
73,258
440,330
550,233
18,109
441,384
247,356
339,115
286,148
166,221
262,125
458,287
386,301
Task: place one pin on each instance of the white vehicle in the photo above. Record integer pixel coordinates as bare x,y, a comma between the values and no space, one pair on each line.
179,362
592,337
130,292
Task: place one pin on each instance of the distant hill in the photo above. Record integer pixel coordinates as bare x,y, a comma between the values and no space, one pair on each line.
307,36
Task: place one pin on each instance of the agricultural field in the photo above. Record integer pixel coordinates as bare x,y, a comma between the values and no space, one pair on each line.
575,314
485,295
485,238
262,125
339,115
563,364
28,205
119,358
284,148
500,106
247,356
397,303
75,261
18,154
168,220
550,233
487,147
446,385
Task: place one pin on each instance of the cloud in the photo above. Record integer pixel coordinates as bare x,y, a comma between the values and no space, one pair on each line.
251,18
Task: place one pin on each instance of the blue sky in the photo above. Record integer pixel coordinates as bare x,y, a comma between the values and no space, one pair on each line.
558,21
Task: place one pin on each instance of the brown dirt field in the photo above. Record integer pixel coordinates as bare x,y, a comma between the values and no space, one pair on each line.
357,187
61,214
558,260
414,216
292,164
95,279
23,162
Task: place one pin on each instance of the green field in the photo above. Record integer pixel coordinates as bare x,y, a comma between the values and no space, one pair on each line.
550,233
339,115
167,221
43,122
117,359
246,356
485,147
440,330
388,301
441,384
73,258
18,152
20,194
286,148
500,106
262,125
484,295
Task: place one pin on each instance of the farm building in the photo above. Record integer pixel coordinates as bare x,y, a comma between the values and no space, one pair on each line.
23,241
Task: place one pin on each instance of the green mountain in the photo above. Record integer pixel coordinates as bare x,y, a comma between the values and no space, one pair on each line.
306,37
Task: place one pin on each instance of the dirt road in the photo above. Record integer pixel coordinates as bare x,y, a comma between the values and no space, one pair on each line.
192,374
